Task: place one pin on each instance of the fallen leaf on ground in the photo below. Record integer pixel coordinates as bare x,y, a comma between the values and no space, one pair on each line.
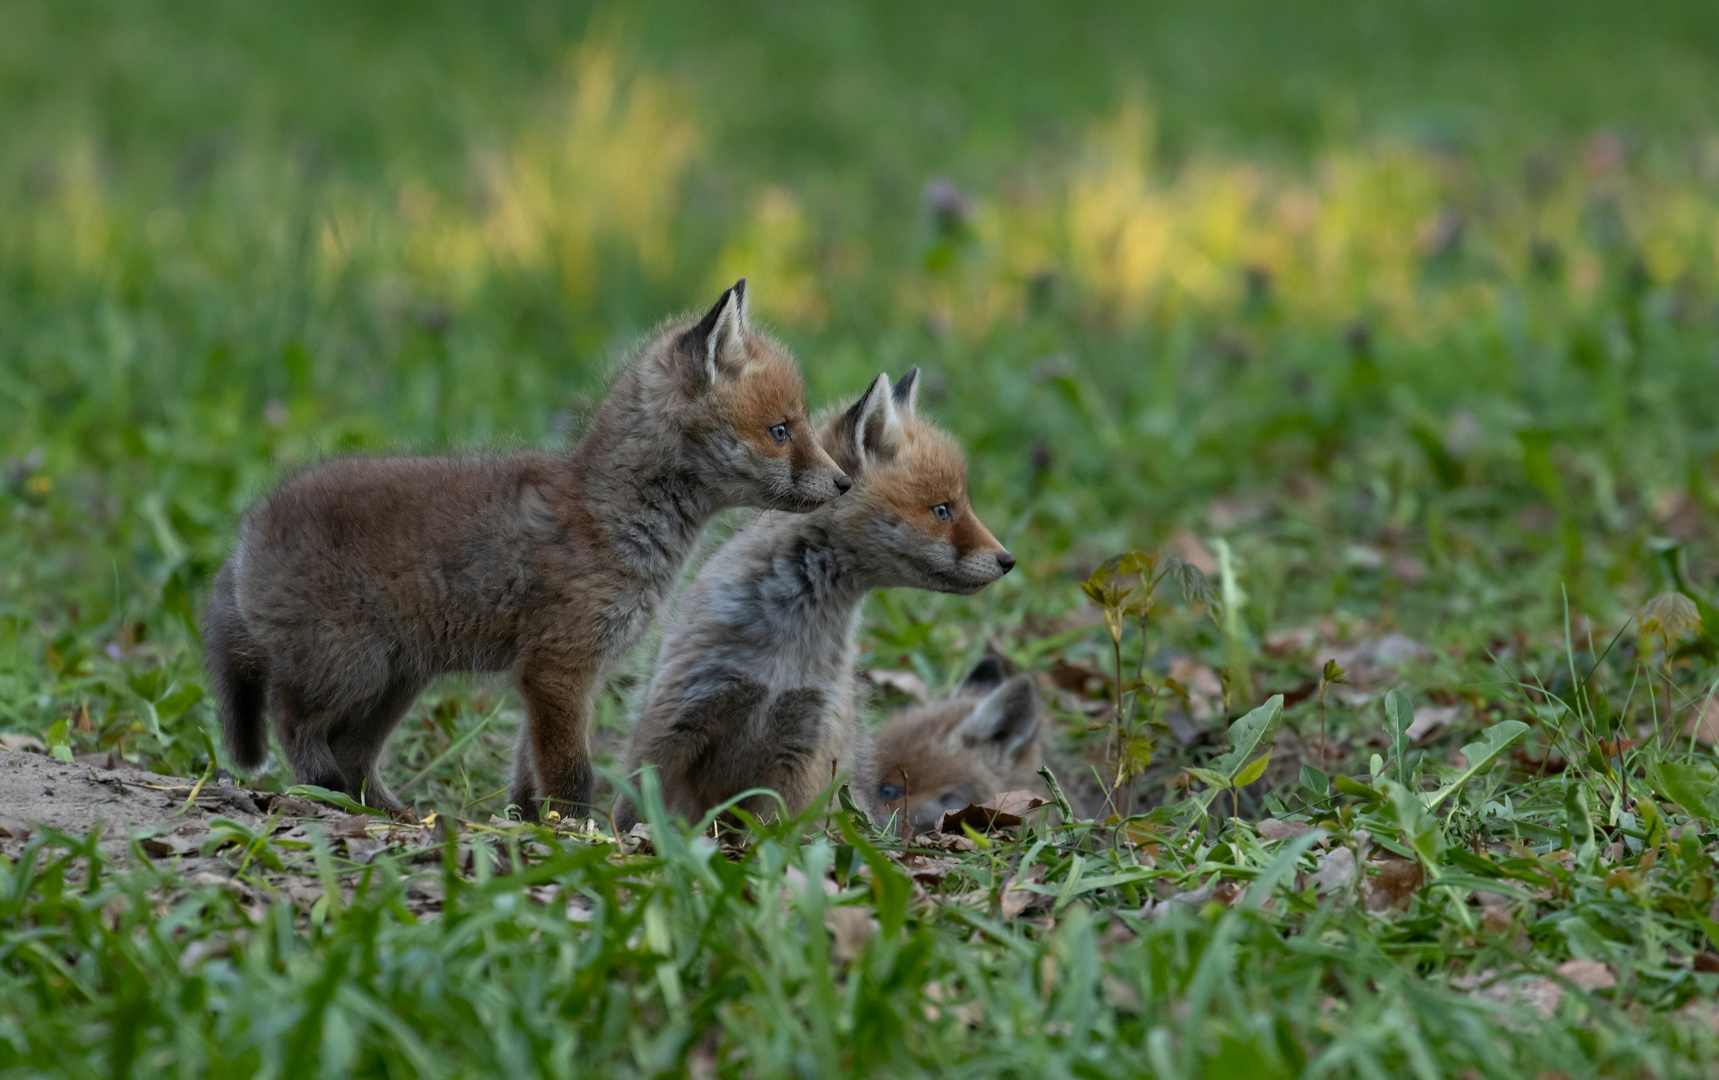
942,841
1075,678
1205,692
1589,975
904,682
1291,642
16,740
1336,869
998,812
1432,718
1273,829
851,928
1194,553
1535,992
1705,724
1016,899
353,827
1408,569
1393,885
928,869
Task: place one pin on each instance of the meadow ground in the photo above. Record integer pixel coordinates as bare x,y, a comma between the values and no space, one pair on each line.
1399,323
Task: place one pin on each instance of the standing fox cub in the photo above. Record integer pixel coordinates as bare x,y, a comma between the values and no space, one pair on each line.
962,750
356,582
754,681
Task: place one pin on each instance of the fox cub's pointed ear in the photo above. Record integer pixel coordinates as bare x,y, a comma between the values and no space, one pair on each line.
985,677
859,431
717,344
906,393
1007,719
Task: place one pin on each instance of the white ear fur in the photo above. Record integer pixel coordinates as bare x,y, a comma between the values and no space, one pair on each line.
881,432
906,392
724,349
865,414
1007,717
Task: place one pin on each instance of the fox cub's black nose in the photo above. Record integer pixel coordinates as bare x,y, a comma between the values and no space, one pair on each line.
1006,561
843,482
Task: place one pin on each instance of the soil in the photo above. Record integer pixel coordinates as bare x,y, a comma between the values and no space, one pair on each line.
177,822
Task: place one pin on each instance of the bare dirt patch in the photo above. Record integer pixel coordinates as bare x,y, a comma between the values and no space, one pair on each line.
258,844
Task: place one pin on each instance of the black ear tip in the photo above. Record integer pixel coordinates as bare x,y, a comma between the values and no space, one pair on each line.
985,674
904,386
739,288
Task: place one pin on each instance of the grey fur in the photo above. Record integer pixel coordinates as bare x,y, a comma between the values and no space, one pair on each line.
776,611
356,582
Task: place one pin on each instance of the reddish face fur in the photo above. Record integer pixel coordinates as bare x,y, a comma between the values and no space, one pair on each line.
910,500
768,392
930,764
927,472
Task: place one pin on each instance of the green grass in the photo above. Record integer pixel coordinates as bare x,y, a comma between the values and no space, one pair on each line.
1411,306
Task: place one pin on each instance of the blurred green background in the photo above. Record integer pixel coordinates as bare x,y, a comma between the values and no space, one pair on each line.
1412,303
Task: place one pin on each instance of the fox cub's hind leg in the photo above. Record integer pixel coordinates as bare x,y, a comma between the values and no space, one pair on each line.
303,733
356,745
338,747
557,689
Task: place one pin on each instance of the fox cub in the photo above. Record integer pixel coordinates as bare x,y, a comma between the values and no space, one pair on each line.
962,750
357,581
754,682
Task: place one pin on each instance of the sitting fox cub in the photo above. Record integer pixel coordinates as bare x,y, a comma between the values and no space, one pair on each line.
357,581
962,750
754,682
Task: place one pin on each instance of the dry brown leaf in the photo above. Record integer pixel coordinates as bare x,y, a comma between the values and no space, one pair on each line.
1393,885
1194,553
928,869
1430,719
1589,975
903,682
1701,1013
1015,899
1408,569
1074,678
1705,724
1119,995
1000,811
1336,869
18,741
942,841
1535,992
851,928
353,827
1273,829
1205,692
1291,642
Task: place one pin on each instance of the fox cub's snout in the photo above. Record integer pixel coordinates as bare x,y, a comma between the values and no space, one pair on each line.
910,512
963,750
749,397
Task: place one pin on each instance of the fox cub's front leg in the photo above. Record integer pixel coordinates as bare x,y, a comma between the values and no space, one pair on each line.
554,762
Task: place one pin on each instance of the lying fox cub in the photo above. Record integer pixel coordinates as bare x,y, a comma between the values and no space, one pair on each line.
754,683
355,582
962,750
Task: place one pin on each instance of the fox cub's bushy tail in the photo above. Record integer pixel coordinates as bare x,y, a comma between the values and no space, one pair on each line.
239,672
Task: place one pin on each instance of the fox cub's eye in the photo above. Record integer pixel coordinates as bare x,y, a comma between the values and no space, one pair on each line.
779,433
888,792
941,512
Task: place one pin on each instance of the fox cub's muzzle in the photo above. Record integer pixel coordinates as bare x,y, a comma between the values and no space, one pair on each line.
814,477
